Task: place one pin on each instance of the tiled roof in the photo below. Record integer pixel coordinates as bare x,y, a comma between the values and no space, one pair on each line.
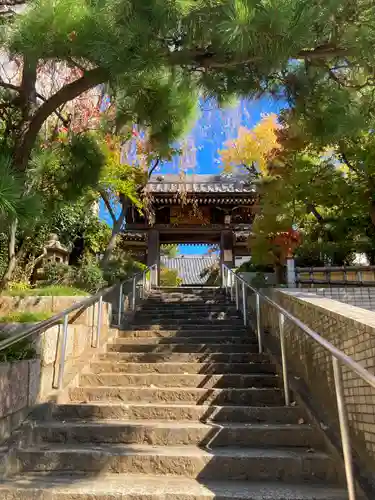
190,268
200,184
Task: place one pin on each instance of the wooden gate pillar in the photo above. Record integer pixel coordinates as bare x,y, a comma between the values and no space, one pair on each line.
227,248
153,255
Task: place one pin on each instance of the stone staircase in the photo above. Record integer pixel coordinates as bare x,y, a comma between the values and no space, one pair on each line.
181,406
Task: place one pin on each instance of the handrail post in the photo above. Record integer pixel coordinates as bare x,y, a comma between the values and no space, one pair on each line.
244,308
120,306
144,285
147,280
231,286
99,325
62,352
259,332
283,359
237,294
134,294
344,428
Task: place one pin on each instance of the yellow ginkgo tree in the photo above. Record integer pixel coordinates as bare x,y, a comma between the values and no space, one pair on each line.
253,148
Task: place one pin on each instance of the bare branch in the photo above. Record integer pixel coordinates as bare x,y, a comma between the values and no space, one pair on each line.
313,210
154,167
348,163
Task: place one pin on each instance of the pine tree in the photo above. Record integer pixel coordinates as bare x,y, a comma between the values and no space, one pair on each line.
219,47
156,58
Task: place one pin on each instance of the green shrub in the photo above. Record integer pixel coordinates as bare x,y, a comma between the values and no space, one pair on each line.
17,352
25,317
121,268
57,273
259,281
169,277
18,286
89,277
249,267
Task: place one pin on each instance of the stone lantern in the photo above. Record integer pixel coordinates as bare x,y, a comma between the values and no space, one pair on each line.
55,251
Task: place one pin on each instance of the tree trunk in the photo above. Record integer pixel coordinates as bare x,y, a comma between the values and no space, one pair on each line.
372,212
12,256
112,242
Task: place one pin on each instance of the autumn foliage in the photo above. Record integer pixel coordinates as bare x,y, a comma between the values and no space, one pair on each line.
253,149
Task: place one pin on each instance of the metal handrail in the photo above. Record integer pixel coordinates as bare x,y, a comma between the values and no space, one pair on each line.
82,305
338,358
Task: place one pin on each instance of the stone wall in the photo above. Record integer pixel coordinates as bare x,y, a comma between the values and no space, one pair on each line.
351,330
37,304
19,383
24,384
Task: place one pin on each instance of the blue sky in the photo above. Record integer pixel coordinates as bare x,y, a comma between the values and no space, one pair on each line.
213,128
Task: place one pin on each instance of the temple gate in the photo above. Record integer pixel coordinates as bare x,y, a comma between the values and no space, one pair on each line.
216,210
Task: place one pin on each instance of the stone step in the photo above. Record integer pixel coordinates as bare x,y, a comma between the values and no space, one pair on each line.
254,397
155,356
183,348
178,380
219,338
162,433
203,368
185,308
231,326
186,294
194,294
257,464
183,311
149,316
141,321
183,413
196,290
173,333
150,487
187,300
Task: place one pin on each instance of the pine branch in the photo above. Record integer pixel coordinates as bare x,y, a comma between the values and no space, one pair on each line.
324,53
210,59
67,93
9,86
65,121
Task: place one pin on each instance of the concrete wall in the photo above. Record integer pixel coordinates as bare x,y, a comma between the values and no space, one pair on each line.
350,329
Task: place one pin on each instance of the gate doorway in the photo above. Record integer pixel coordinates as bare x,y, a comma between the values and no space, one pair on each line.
194,265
